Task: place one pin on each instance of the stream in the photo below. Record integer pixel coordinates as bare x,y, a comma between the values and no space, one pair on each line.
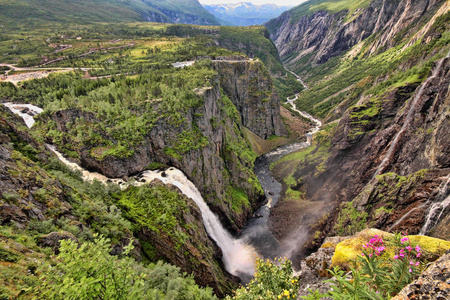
238,253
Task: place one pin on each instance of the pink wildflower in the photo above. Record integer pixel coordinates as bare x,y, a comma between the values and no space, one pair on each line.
403,240
395,256
362,254
409,248
411,263
417,264
370,255
418,248
418,254
410,271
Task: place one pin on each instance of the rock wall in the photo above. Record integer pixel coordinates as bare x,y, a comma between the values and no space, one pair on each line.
324,35
250,88
390,190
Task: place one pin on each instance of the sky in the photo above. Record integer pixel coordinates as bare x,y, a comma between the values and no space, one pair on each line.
255,2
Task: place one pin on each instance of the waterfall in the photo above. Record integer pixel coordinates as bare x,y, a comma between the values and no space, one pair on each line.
442,201
25,111
409,117
238,257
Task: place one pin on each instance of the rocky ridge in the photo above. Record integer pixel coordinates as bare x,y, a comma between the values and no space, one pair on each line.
317,36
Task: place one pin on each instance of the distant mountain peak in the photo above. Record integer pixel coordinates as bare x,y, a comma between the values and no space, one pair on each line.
245,13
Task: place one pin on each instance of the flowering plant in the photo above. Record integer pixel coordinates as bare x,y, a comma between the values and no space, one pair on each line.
381,273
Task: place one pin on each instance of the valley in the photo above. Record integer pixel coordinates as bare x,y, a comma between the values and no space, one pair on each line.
191,158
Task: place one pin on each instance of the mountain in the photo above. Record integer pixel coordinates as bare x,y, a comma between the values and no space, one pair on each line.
245,13
378,74
88,11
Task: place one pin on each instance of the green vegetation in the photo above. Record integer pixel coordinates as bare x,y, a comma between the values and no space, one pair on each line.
350,220
113,11
272,280
90,272
157,208
332,7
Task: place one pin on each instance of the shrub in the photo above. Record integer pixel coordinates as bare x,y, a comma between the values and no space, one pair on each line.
272,280
90,272
384,269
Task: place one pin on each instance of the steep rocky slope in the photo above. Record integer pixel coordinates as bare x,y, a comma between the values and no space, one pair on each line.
381,159
315,32
250,88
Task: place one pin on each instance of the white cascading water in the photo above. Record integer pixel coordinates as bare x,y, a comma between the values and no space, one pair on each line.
238,257
442,201
409,117
27,117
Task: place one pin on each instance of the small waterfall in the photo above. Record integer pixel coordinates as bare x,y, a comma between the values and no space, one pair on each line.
442,201
409,117
404,216
25,111
238,257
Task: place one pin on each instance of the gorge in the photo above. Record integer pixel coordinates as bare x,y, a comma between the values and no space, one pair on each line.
324,130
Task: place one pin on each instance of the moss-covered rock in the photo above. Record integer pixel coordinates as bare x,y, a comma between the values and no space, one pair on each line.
347,251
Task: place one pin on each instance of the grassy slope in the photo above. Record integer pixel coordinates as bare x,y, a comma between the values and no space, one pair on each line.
331,81
39,11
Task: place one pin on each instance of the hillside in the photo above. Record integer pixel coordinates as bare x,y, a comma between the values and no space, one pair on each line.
244,13
378,78
111,11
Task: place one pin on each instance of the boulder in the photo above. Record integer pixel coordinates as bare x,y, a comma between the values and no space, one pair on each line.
433,283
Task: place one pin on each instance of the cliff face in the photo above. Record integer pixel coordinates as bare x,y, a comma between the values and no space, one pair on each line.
317,36
208,146
250,88
379,75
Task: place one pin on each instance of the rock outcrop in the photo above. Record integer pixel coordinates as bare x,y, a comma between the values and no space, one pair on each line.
249,86
433,283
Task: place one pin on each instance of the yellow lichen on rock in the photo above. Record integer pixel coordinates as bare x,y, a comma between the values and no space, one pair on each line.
347,251
432,248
